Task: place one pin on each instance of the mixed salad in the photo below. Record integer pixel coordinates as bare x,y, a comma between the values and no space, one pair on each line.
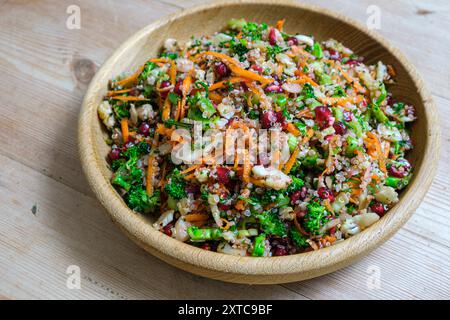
345,140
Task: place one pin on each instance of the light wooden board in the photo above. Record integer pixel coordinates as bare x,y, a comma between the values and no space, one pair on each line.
44,71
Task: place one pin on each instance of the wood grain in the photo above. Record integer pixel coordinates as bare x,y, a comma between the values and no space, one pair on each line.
40,99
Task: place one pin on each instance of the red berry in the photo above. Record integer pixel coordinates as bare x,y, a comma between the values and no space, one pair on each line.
206,246
268,119
257,68
114,154
378,208
334,55
221,69
177,88
353,62
323,117
325,193
144,129
299,195
192,188
223,175
274,87
280,251
339,128
292,41
163,85
168,229
272,37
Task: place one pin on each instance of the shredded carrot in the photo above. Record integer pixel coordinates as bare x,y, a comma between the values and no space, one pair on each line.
190,177
218,55
124,127
387,146
217,98
247,167
240,205
131,79
178,112
349,79
248,74
195,217
172,72
280,24
195,166
328,206
223,83
149,180
290,163
163,175
257,182
163,130
116,92
293,129
305,79
166,110
129,98
158,60
186,86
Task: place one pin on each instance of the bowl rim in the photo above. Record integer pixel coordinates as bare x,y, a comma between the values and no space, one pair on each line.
312,263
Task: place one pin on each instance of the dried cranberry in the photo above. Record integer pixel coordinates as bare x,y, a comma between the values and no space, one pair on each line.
192,188
334,55
353,62
223,175
348,116
292,41
206,246
325,193
399,171
378,208
221,69
268,119
274,87
144,129
323,117
168,229
134,92
257,68
340,128
224,207
114,154
177,88
272,37
299,195
332,230
280,251
163,85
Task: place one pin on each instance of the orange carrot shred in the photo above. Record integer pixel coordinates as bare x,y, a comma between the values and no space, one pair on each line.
149,180
124,127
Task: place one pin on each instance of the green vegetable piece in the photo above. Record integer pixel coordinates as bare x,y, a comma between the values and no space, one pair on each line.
237,24
176,184
337,113
315,218
292,142
197,234
317,51
272,224
149,66
281,100
302,127
298,239
352,146
295,185
259,247
138,199
356,127
379,114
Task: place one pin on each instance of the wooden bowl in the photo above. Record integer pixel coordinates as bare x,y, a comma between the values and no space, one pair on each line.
305,19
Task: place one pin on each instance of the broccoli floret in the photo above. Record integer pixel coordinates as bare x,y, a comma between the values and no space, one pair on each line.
149,66
272,224
298,239
315,218
274,196
296,184
128,174
138,199
259,247
175,186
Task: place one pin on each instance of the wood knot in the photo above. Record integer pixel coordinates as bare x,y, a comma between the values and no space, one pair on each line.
84,70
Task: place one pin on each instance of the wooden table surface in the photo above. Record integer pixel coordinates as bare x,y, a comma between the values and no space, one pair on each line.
50,219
